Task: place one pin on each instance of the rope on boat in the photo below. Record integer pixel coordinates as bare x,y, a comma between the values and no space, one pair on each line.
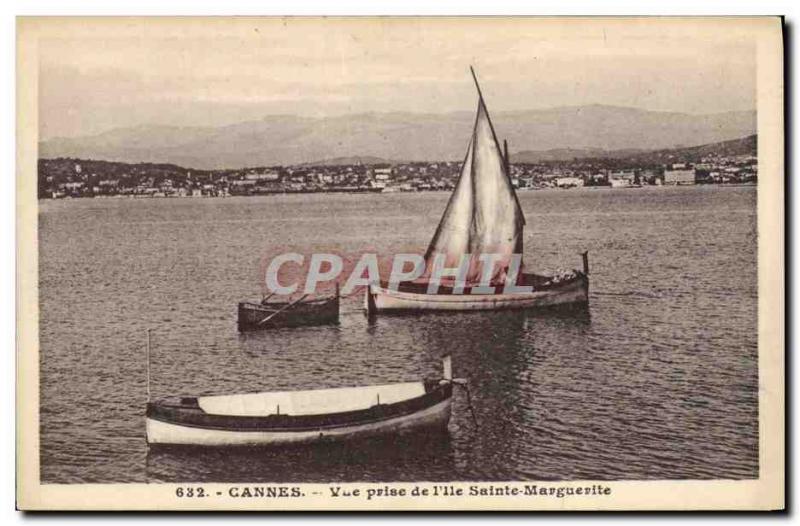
463,384
469,405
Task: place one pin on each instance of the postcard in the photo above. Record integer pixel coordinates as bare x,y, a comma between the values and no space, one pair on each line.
399,263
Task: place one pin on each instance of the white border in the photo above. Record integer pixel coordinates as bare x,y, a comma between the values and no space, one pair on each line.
204,7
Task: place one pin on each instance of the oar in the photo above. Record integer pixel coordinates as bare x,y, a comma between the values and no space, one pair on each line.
264,300
265,320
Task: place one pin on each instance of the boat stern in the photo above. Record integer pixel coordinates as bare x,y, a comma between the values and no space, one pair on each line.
584,275
369,300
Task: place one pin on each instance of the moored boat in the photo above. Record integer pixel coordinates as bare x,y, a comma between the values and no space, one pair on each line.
483,218
302,417
296,313
572,288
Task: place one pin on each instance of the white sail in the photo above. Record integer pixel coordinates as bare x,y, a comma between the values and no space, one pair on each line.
497,220
452,234
483,215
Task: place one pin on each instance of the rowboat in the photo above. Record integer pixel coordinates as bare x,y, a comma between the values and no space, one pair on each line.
302,417
483,218
300,312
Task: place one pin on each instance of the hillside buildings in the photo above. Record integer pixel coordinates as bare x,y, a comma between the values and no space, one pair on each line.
89,178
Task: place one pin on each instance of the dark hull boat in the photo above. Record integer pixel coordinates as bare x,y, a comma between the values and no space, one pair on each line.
302,417
298,313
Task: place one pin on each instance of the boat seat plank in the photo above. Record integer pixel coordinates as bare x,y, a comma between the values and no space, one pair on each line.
314,402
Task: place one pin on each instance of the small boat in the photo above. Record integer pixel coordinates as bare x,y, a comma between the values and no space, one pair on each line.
302,417
482,217
296,313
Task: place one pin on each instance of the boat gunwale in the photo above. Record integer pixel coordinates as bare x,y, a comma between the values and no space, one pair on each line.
317,302
423,296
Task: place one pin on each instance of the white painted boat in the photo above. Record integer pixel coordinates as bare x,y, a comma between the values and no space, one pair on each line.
381,298
302,417
483,218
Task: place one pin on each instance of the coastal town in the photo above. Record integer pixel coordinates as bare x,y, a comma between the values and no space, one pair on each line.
70,178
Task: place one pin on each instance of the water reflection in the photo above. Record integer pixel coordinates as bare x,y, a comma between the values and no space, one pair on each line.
497,352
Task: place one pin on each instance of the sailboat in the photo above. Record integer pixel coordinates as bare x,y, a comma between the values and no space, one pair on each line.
483,217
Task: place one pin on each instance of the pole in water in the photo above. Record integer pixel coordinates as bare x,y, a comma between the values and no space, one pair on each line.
148,364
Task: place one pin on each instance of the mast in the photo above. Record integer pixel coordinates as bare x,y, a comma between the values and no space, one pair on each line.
518,248
148,364
505,155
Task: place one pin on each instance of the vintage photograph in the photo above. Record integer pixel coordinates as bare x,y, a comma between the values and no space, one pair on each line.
330,262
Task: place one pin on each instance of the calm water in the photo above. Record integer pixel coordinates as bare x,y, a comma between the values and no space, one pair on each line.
657,380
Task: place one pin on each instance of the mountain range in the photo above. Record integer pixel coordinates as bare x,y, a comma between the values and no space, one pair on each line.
548,134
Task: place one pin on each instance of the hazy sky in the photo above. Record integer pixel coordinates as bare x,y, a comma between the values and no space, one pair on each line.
105,77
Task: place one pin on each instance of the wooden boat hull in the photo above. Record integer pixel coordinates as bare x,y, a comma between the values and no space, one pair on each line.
257,316
382,299
185,423
159,432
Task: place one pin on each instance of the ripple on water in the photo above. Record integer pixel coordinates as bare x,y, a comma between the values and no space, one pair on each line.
657,380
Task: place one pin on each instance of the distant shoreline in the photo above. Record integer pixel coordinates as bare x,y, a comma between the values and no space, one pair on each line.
275,194
728,162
